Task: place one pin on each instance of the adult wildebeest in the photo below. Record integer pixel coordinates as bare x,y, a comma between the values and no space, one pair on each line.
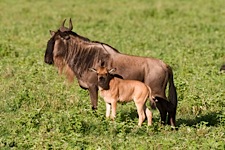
113,89
74,53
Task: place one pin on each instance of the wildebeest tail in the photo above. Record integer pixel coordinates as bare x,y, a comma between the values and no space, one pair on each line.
151,98
172,89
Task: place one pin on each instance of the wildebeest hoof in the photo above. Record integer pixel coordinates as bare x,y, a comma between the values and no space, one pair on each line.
94,108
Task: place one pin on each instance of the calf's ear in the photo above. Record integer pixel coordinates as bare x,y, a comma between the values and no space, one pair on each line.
92,69
112,70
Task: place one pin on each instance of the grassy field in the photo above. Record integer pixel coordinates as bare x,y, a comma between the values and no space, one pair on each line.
39,110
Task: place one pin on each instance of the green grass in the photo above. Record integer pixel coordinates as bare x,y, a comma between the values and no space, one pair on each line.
39,110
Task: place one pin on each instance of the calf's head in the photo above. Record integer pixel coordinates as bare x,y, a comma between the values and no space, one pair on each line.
104,76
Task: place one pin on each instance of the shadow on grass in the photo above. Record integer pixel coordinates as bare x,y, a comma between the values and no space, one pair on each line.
212,119
131,115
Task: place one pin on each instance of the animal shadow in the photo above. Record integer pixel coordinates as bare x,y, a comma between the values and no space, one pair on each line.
128,115
131,115
212,119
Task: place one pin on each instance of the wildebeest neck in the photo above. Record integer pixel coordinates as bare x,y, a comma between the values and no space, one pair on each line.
81,56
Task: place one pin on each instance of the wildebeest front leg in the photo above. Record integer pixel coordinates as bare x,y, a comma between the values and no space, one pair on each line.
93,92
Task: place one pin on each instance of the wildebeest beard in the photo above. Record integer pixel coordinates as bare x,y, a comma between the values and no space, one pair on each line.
49,51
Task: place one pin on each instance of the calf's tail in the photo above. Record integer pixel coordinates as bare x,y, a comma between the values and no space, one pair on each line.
151,98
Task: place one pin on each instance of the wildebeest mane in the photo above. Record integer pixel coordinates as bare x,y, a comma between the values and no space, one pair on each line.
79,36
106,45
88,40
81,56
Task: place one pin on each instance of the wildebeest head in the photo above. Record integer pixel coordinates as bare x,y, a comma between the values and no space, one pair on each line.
104,76
56,46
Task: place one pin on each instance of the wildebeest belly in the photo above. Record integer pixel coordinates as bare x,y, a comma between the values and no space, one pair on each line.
125,95
119,96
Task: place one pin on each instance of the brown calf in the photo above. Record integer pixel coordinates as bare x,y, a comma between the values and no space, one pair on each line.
113,89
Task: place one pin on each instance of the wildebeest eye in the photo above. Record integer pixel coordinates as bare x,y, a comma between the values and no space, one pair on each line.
67,37
64,35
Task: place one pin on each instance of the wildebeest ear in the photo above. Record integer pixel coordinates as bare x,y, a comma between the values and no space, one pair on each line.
52,32
112,70
92,69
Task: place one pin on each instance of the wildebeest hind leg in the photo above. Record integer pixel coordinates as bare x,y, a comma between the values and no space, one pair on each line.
172,117
93,92
162,111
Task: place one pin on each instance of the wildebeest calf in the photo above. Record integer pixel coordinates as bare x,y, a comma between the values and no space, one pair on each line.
113,89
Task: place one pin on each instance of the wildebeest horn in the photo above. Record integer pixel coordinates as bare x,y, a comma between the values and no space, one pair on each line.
70,25
63,23
63,28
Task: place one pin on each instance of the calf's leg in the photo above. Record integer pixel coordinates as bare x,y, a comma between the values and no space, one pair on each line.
149,115
113,115
108,107
140,110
